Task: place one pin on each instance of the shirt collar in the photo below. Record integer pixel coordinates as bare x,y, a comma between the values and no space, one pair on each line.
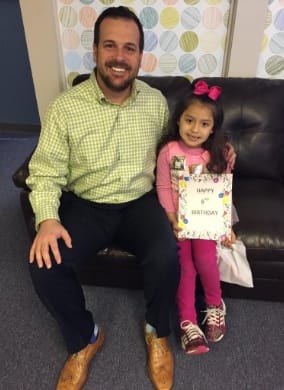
194,151
99,94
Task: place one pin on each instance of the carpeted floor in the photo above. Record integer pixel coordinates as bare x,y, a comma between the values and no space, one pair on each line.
32,352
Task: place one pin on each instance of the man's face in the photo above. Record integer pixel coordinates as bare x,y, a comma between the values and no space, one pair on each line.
117,55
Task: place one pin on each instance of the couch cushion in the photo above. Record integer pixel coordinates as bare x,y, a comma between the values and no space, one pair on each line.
260,208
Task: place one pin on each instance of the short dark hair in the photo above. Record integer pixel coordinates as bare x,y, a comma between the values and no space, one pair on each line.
116,13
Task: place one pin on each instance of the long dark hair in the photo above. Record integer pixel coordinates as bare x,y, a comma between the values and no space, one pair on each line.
216,142
118,13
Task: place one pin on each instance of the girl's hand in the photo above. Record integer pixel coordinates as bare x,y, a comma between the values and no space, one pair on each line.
230,155
174,222
229,241
176,229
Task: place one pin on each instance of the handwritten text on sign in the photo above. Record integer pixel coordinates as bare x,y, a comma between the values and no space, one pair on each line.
205,204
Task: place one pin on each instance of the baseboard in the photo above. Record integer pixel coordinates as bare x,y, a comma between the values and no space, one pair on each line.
19,128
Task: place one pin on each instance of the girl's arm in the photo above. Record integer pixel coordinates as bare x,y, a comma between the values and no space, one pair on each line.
165,192
163,181
229,241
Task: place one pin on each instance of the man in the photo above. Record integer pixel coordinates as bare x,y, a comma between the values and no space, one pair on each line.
91,180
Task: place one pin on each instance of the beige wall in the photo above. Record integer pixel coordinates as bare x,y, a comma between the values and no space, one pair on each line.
245,43
39,17
42,40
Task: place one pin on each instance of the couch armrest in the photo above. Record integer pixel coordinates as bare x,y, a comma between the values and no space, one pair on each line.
20,175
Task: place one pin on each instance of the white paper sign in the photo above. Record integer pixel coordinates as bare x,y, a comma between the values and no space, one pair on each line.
205,206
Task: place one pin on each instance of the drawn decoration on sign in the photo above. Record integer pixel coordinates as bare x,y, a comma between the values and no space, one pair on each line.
205,206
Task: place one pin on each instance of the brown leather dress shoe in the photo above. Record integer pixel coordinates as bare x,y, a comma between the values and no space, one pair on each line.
160,361
75,370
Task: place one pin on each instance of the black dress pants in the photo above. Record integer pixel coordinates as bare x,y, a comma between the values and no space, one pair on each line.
139,226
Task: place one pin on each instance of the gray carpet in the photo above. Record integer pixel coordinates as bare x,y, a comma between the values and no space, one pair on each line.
250,357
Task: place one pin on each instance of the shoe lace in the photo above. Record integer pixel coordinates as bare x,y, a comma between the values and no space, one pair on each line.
215,315
192,331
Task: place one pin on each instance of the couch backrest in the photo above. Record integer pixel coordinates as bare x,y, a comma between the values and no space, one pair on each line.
172,87
254,120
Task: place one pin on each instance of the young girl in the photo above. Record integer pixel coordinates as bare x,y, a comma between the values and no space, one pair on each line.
195,138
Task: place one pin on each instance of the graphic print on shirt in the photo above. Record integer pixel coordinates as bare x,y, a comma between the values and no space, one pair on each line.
178,168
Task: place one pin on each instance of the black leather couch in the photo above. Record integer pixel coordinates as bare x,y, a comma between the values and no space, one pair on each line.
254,120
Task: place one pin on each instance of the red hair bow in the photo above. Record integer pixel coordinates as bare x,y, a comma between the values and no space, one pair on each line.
201,88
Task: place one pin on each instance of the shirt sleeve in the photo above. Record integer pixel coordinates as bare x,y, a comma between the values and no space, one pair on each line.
163,181
48,168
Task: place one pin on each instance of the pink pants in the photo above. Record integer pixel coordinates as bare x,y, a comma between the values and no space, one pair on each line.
197,257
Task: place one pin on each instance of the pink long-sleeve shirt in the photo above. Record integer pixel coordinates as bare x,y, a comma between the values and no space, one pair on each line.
173,158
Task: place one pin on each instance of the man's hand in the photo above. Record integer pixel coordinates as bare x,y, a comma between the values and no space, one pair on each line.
46,240
230,155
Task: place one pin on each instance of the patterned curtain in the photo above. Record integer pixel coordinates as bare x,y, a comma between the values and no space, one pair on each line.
182,37
271,60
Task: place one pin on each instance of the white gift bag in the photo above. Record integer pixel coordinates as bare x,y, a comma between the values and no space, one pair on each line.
233,264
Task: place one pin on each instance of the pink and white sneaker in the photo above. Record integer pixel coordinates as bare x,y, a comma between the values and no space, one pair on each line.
193,340
214,321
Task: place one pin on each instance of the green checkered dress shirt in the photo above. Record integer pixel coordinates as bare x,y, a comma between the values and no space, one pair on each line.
100,151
